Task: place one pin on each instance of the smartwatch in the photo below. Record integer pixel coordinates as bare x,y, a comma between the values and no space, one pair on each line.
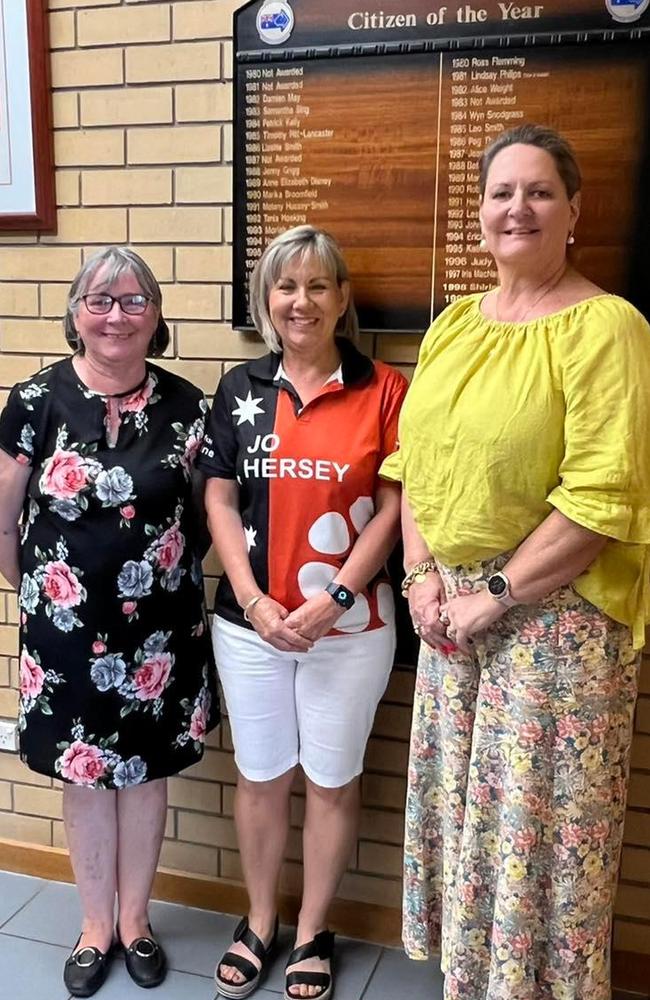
498,586
343,597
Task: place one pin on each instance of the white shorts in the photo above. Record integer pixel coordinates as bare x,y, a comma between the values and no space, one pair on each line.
315,709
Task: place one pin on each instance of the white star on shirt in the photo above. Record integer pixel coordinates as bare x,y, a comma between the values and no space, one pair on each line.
247,409
251,534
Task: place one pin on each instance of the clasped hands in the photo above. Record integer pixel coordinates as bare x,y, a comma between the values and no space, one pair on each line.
449,625
295,631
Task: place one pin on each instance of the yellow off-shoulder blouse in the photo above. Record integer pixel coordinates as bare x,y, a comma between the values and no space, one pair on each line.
504,420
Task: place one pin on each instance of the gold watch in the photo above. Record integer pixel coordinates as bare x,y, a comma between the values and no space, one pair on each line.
418,574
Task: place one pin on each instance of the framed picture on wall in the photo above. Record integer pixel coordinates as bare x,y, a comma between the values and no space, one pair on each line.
27,198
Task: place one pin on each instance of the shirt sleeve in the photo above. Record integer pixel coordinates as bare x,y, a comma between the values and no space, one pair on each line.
605,471
218,454
391,467
17,426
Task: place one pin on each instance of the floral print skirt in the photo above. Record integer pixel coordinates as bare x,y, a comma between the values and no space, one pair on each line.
516,799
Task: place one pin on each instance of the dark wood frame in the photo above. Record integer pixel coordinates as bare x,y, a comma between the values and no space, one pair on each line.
44,217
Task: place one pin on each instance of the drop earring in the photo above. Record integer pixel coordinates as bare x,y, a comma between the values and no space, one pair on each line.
571,240
483,243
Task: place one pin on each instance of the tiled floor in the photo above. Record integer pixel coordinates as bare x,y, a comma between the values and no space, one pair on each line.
39,924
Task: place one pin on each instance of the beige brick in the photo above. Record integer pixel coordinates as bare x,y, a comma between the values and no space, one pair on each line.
198,828
639,790
633,901
227,302
637,828
202,796
174,63
4,671
215,765
204,102
8,703
58,835
12,608
211,564
632,937
203,184
67,187
202,19
380,859
8,635
176,144
641,751
89,225
402,347
53,299
170,824
379,824
63,4
13,769
100,147
159,259
39,263
96,67
128,186
393,721
175,225
217,341
635,864
32,336
227,59
204,374
192,301
65,109
387,756
192,858
134,106
27,829
112,27
18,300
227,137
38,801
5,795
383,791
643,715
227,225
62,35
369,889
204,263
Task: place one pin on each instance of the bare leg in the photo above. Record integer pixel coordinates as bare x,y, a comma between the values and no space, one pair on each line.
90,819
330,831
141,812
262,820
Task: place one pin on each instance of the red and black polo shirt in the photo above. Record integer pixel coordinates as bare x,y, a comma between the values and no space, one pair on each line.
307,475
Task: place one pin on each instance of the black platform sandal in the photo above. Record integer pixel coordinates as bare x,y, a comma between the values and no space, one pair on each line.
253,976
322,946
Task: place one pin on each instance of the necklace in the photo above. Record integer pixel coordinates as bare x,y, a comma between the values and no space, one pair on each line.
519,319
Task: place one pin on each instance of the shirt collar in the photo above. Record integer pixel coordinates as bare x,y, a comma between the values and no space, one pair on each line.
355,367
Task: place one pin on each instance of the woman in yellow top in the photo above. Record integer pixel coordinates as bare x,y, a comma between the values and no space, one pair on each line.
525,462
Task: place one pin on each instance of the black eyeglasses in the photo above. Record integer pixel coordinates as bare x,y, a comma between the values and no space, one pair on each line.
101,304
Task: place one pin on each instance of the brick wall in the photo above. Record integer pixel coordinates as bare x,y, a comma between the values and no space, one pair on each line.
143,141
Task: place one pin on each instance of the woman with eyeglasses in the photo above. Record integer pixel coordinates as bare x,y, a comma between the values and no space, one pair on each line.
117,679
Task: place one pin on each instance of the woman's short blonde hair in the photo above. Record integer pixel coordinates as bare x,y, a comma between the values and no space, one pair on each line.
298,242
116,261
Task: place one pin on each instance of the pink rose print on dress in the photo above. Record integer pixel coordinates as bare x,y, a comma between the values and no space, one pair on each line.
64,475
128,511
139,400
188,441
32,676
128,607
98,647
197,716
166,551
61,585
198,723
169,548
151,678
82,763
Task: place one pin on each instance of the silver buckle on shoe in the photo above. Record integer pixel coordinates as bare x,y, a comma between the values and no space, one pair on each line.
150,948
78,960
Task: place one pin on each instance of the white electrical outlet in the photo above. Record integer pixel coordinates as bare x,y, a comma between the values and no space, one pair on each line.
8,735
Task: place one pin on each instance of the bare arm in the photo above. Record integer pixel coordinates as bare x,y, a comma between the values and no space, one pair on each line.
320,613
13,484
554,554
224,520
425,598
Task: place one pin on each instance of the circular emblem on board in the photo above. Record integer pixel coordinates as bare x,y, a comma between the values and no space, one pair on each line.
275,21
626,11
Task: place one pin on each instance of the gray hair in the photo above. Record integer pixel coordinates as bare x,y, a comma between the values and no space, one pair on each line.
116,261
298,242
543,138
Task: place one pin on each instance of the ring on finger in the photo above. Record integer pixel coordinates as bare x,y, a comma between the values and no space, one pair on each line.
444,618
417,629
451,632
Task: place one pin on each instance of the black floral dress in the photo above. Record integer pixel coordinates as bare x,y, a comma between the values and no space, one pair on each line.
117,679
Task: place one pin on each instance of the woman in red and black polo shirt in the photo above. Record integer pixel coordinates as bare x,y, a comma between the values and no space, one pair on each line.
304,618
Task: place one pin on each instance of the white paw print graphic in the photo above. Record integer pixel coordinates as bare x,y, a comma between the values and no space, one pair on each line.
330,535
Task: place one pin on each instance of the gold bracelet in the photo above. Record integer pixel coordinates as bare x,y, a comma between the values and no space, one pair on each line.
417,574
251,604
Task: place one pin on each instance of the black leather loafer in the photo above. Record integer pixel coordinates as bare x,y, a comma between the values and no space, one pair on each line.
146,962
86,970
